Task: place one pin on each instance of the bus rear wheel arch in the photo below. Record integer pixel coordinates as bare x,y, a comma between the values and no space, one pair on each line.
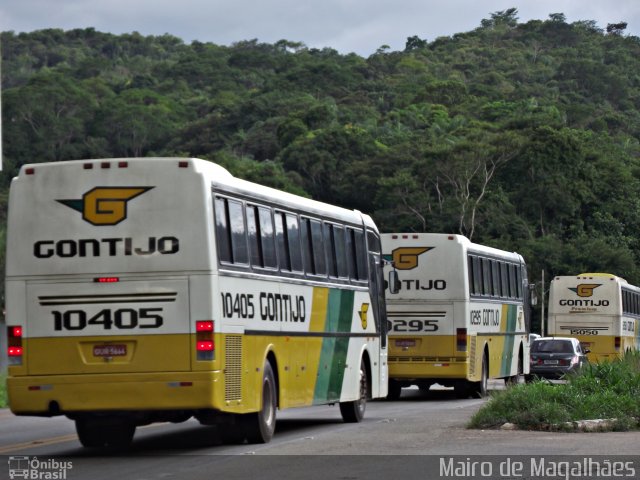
260,426
353,411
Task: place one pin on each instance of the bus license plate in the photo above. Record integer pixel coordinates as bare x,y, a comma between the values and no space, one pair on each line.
405,343
551,362
109,350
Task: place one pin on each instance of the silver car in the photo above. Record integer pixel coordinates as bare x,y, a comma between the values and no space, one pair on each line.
554,357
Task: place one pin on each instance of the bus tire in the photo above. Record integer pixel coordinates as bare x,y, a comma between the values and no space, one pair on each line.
515,379
102,433
395,390
260,426
482,387
353,412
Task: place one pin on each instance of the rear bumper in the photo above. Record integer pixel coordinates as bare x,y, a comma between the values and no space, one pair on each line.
416,370
46,395
551,373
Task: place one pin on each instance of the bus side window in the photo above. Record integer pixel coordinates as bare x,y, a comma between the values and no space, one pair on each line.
495,279
253,234
307,246
486,277
361,254
519,281
239,249
341,251
352,268
504,278
319,258
267,238
293,236
512,281
223,233
281,243
330,250
477,276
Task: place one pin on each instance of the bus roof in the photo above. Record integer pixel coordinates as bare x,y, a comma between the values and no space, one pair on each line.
460,240
220,177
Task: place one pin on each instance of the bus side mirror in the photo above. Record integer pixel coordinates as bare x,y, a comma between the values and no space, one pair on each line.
532,294
394,282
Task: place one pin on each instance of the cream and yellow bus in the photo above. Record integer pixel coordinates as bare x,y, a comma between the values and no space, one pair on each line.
599,309
159,289
461,315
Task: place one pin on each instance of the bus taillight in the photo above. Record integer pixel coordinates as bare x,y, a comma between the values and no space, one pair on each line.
617,343
14,340
205,347
461,339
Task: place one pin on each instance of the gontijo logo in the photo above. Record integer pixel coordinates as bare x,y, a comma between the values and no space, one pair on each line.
105,205
406,258
585,289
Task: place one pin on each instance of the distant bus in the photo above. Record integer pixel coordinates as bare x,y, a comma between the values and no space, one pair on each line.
599,309
461,316
159,289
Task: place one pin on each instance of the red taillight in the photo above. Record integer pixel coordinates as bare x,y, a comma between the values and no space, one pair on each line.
461,339
15,351
617,343
106,279
14,345
204,326
205,346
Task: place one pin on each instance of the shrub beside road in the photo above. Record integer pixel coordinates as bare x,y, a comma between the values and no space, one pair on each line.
608,390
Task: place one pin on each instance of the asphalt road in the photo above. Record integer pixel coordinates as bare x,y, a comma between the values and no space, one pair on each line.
412,436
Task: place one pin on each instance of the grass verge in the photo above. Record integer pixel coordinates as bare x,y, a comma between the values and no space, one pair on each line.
3,391
608,390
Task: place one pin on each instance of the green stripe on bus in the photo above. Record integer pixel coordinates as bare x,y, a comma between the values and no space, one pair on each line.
507,357
333,355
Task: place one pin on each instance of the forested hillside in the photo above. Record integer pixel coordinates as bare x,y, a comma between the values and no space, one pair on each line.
523,136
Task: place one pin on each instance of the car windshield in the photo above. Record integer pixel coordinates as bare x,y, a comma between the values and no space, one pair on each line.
552,346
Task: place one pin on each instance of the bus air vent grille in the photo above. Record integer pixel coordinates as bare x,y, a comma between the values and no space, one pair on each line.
233,368
472,355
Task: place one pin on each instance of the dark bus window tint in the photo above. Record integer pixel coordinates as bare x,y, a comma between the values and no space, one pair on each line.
317,242
495,279
361,255
307,247
486,277
513,292
222,230
267,240
626,305
239,249
519,281
470,274
253,234
341,251
477,276
281,243
374,242
352,268
330,250
293,234
504,278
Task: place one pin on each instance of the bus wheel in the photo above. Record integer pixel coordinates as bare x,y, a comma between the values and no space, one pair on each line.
259,426
481,387
353,412
107,432
395,390
515,379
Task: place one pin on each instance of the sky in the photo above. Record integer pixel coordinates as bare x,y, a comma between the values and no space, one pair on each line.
359,26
